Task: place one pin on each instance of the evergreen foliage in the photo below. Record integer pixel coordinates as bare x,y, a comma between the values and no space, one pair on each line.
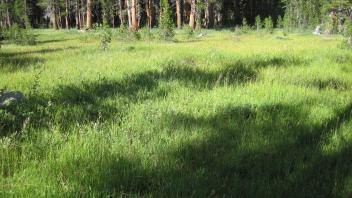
269,25
20,36
165,22
258,23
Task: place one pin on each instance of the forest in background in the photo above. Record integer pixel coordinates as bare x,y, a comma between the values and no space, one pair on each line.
135,14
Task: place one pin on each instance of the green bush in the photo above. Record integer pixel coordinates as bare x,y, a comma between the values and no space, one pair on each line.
286,23
189,32
268,24
258,23
348,33
239,31
127,35
166,27
245,27
20,36
147,34
280,22
348,28
134,35
104,34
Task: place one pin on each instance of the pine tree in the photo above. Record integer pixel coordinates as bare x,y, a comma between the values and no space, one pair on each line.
165,21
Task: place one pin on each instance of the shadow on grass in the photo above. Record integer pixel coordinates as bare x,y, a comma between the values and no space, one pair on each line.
81,104
13,61
245,151
264,151
40,51
290,163
108,99
10,62
52,41
330,83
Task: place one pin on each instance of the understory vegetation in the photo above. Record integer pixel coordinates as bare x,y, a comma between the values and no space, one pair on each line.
250,115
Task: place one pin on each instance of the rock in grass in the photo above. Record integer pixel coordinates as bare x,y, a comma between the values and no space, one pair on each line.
201,35
9,97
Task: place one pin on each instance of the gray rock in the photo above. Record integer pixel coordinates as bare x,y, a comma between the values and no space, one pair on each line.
317,30
201,35
9,97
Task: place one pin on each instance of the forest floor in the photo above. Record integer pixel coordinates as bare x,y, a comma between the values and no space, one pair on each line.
225,115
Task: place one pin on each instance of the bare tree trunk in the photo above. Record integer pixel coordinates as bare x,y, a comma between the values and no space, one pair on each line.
3,22
8,18
192,17
138,13
78,16
129,14
83,14
211,14
54,16
89,14
25,7
113,20
178,14
54,21
134,15
67,17
207,14
121,14
149,9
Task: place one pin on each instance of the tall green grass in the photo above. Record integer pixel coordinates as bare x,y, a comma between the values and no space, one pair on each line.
224,115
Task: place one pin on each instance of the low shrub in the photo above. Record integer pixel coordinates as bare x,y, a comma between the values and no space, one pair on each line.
258,23
104,34
189,32
20,36
268,24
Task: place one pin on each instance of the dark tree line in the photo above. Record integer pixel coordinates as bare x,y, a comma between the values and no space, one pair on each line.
140,13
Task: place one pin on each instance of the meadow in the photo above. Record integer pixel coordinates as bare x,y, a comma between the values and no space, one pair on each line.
225,115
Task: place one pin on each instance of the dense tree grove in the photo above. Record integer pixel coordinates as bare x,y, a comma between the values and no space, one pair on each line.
139,13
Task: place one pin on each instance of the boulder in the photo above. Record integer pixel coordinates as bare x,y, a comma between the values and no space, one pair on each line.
317,30
10,97
201,35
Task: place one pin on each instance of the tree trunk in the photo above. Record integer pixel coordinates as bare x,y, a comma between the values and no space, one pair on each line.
58,16
192,17
113,19
8,17
121,15
207,14
138,13
134,15
67,17
149,10
211,15
83,14
25,7
54,16
178,14
89,14
78,16
54,21
129,14
3,21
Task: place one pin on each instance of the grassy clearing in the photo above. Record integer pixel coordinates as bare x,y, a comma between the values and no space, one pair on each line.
226,115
